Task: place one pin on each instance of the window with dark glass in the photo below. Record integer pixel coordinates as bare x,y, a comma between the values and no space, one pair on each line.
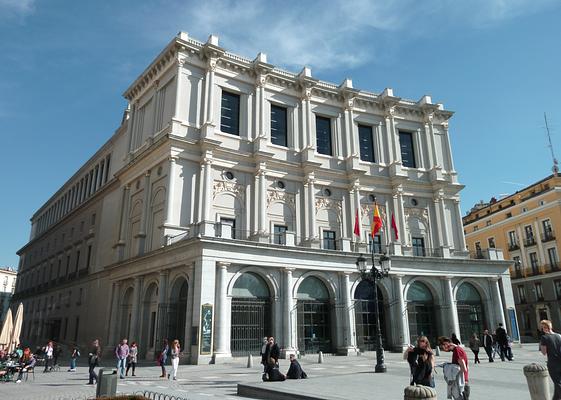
279,133
377,243
512,239
323,136
491,243
534,262
366,143
418,244
539,291
529,232
230,113
231,222
517,266
407,150
329,240
279,231
521,293
553,260
557,284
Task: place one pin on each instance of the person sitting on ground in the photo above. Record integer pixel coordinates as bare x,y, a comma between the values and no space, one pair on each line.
295,371
421,361
27,362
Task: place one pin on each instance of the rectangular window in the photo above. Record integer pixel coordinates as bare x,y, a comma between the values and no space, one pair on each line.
529,232
67,265
539,291
517,266
323,135
89,256
546,226
557,284
76,327
366,143
534,263
407,150
491,242
279,231
279,133
77,261
231,222
230,113
553,259
329,240
418,244
521,294
512,239
377,243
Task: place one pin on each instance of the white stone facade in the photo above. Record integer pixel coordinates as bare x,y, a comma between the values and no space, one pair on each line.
162,223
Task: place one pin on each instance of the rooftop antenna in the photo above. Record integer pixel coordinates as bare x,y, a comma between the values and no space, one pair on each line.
555,168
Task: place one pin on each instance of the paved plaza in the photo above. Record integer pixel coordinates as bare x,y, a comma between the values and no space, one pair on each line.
336,378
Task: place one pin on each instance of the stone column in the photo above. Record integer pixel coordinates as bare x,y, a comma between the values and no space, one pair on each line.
145,213
348,329
395,150
310,142
136,310
401,319
311,206
207,225
352,140
222,312
288,317
170,191
178,89
114,315
453,323
497,301
448,146
208,112
123,222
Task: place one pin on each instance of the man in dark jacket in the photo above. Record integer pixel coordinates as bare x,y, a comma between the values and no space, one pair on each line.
550,346
502,339
295,371
488,344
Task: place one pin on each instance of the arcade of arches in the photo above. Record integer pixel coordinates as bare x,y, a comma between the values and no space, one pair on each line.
322,312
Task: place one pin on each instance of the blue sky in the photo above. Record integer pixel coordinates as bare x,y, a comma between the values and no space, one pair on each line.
64,65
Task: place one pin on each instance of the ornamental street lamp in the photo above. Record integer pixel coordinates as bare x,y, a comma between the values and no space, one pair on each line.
375,275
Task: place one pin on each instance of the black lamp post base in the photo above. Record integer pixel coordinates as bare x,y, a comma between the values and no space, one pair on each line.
380,368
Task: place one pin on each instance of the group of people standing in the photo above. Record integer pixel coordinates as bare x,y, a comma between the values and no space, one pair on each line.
270,354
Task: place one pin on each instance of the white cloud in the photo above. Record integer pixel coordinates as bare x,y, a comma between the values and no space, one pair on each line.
331,34
16,8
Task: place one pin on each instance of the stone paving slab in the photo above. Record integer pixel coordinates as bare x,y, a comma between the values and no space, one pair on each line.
338,378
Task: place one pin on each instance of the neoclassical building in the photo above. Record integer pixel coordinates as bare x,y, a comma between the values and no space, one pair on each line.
222,210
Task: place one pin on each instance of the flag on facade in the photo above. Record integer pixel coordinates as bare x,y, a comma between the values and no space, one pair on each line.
376,221
394,228
357,225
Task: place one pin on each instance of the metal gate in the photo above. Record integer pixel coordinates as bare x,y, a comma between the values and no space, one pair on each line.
421,321
365,321
471,317
314,326
251,321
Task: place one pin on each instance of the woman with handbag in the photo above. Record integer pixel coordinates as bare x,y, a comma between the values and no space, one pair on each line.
163,358
175,350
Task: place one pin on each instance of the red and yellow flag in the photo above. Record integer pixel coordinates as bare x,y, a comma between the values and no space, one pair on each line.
376,221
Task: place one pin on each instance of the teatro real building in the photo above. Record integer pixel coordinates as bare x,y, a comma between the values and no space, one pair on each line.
222,210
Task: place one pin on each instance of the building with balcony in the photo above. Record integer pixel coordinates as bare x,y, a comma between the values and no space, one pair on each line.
524,225
222,210
7,286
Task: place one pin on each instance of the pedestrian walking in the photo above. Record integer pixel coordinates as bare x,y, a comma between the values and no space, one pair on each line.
74,355
263,353
488,344
174,353
57,351
455,340
421,362
122,353
502,340
132,359
94,358
459,357
550,346
162,358
49,351
474,346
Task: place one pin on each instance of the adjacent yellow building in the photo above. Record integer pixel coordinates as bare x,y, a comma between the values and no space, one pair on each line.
524,226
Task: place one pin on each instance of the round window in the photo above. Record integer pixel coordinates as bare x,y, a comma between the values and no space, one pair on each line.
280,185
229,175
414,202
326,192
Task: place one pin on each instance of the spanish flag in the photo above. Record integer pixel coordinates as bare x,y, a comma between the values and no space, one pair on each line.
376,221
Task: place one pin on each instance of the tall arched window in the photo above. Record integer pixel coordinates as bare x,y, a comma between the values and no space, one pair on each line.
420,309
470,311
314,316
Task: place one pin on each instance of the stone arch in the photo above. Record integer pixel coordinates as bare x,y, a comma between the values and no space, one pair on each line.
175,310
382,286
159,195
436,293
331,287
365,315
421,311
125,311
471,308
270,280
149,304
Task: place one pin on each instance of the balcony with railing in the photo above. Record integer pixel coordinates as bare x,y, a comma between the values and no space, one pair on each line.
529,241
548,235
487,254
513,246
